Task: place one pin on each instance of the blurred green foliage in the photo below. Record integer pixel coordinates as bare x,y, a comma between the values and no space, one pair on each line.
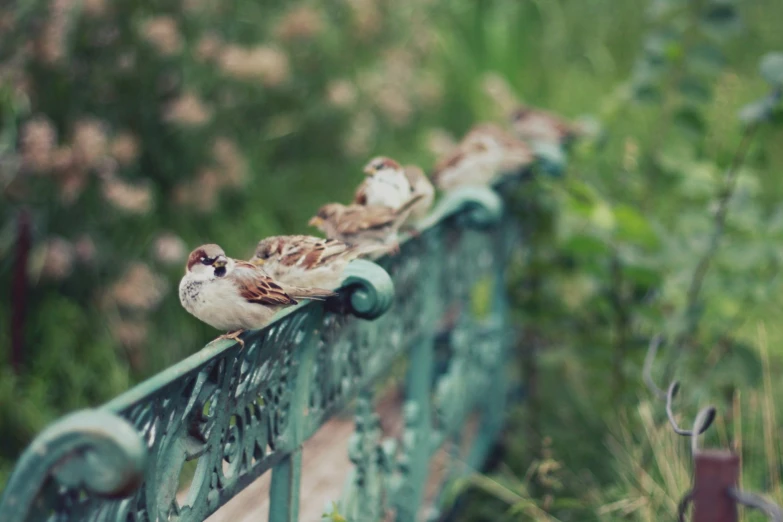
631,243
132,134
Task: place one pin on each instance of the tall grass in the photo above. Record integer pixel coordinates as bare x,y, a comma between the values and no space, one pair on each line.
617,456
650,466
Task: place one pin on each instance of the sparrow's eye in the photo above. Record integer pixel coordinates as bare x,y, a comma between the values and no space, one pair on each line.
206,261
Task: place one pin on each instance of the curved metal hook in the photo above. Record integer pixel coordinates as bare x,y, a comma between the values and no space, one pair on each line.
682,507
758,502
699,427
671,393
92,449
370,289
703,421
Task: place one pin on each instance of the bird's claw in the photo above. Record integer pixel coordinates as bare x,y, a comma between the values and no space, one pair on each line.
234,336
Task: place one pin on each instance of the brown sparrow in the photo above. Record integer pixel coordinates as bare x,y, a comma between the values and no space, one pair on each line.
484,155
307,260
363,224
390,185
386,184
537,125
235,295
421,186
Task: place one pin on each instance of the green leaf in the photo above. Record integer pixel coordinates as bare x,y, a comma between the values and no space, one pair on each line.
695,90
706,59
700,180
771,68
644,81
642,275
673,51
660,9
690,120
481,297
602,217
739,366
654,50
646,92
662,47
585,245
721,19
581,192
633,227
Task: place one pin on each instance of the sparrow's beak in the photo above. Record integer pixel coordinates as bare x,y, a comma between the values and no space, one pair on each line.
220,261
257,261
316,222
369,170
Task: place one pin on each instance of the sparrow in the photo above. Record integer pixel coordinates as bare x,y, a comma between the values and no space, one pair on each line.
233,295
363,224
483,156
307,260
390,185
537,125
421,186
386,184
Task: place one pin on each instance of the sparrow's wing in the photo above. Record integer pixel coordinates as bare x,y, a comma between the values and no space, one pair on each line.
450,161
360,197
313,252
561,125
286,250
256,287
376,217
415,175
357,219
484,129
473,144
406,207
496,133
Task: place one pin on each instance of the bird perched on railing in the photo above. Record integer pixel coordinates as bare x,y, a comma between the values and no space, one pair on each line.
389,184
421,186
233,295
364,224
308,260
386,184
483,156
532,124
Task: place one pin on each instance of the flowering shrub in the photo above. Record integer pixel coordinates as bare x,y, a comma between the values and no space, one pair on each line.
131,134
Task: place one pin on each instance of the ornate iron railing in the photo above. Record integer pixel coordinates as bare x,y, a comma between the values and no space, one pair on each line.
242,412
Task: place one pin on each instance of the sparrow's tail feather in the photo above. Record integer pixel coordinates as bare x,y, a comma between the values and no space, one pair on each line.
406,207
315,294
366,250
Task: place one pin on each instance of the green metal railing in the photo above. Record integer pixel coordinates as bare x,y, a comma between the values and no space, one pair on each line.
242,412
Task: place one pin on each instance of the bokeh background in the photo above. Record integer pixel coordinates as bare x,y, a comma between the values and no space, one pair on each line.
132,131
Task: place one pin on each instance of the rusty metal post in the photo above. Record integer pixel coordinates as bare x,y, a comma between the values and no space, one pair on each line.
716,473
